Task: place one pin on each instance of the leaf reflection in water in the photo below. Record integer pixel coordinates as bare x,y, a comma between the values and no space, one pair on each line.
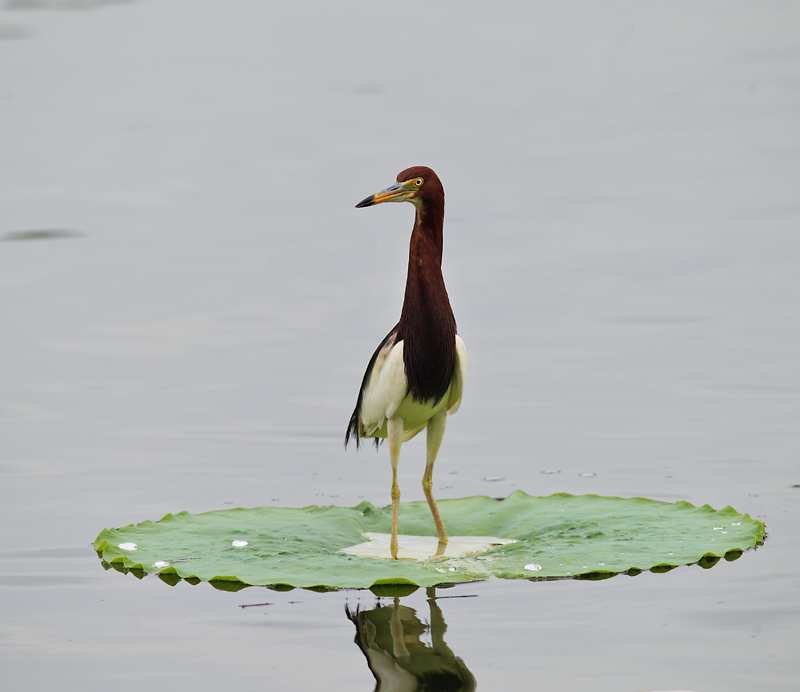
390,639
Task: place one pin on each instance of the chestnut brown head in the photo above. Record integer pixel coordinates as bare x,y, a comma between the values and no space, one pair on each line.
418,185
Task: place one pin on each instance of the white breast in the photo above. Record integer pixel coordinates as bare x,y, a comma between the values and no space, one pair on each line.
386,393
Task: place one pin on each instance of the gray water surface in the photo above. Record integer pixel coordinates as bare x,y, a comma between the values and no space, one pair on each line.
188,300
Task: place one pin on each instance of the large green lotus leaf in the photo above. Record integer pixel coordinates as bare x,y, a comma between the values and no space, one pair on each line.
558,536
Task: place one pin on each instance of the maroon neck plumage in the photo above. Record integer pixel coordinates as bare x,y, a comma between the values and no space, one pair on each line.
427,325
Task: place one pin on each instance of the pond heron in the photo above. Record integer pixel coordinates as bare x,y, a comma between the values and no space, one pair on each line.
416,376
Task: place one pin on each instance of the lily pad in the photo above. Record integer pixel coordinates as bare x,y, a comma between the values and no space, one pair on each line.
585,536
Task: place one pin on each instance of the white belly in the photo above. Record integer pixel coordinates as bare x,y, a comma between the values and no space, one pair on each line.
386,394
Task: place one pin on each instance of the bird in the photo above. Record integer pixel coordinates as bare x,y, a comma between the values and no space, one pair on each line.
415,378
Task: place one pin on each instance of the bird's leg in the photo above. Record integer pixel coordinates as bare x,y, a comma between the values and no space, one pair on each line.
435,434
395,435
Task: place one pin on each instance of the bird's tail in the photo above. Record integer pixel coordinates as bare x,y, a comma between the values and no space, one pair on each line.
352,428
352,431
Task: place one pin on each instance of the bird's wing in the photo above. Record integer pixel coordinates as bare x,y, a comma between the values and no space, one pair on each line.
384,389
459,377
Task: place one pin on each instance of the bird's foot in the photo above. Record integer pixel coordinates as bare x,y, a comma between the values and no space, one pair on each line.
440,549
438,558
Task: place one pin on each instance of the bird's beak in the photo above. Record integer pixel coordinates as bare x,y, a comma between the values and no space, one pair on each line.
398,192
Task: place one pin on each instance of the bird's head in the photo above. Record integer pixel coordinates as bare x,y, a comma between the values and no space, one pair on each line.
417,185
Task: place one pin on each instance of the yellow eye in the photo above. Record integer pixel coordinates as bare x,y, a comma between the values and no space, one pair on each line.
418,182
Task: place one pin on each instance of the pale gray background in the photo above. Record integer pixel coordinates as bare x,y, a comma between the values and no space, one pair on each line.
622,249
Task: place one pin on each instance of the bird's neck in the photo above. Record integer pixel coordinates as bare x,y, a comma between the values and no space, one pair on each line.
427,325
426,294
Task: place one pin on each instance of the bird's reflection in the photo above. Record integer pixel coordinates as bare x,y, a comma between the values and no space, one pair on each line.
390,639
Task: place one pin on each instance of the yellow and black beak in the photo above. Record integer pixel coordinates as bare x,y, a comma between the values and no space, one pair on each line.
397,192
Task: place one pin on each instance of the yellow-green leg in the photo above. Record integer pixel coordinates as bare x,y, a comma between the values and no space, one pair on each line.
395,435
435,435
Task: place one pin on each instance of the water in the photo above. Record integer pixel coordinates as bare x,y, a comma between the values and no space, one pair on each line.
188,300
